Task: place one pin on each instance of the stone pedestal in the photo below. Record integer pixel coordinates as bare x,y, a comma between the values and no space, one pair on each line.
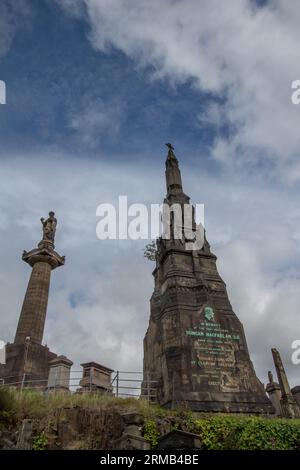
27,363
296,394
288,404
132,438
59,374
96,378
273,390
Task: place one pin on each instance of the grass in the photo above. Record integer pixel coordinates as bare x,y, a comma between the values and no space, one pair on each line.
216,431
33,403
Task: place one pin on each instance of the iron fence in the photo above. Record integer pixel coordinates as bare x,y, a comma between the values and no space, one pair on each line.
123,384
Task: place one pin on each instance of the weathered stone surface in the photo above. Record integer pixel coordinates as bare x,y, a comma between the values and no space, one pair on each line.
273,390
96,378
195,346
34,369
6,444
288,404
25,435
59,374
179,440
296,394
131,442
133,418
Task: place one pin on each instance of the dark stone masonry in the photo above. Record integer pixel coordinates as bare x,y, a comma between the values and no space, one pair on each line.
195,345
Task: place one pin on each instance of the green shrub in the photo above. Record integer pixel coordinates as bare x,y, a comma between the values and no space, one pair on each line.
39,442
151,433
7,404
248,433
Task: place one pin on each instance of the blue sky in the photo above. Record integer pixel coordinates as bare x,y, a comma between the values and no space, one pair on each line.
54,75
94,90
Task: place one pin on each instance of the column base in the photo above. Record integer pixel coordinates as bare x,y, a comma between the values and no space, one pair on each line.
34,372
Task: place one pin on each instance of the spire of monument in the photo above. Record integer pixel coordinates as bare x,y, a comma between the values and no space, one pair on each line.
173,175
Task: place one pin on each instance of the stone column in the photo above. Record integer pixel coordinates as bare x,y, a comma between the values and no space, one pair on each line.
33,314
288,404
273,390
27,360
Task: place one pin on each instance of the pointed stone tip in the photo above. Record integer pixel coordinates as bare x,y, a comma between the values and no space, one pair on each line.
170,146
171,154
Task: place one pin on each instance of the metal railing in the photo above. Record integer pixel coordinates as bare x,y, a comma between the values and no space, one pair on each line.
124,384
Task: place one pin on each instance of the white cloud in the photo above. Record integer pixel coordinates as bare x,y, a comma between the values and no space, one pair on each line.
237,50
95,119
98,306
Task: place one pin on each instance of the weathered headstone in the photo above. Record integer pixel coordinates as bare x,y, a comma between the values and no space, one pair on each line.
179,440
25,435
131,438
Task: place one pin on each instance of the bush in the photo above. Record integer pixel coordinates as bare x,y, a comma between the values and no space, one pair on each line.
248,433
151,433
39,442
7,404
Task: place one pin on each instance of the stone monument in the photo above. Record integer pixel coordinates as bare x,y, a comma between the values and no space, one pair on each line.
274,392
59,374
289,406
195,344
27,360
96,378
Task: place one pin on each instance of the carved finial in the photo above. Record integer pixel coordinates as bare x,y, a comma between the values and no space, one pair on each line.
170,147
49,227
270,376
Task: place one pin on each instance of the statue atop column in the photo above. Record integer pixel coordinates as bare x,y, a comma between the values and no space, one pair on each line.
49,227
270,376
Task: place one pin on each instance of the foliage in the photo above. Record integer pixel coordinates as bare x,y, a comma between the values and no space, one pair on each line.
39,442
219,431
151,433
7,404
150,251
248,433
36,404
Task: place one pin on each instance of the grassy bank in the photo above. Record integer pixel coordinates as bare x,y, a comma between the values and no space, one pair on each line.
215,431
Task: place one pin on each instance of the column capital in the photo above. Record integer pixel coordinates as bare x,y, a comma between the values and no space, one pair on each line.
43,254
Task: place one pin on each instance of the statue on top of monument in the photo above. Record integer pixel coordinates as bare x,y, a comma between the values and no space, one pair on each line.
270,376
49,227
170,146
171,150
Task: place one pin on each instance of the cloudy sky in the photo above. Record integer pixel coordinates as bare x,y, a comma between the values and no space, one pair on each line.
94,90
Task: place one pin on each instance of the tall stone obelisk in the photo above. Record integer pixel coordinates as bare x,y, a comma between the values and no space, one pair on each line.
195,350
27,359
